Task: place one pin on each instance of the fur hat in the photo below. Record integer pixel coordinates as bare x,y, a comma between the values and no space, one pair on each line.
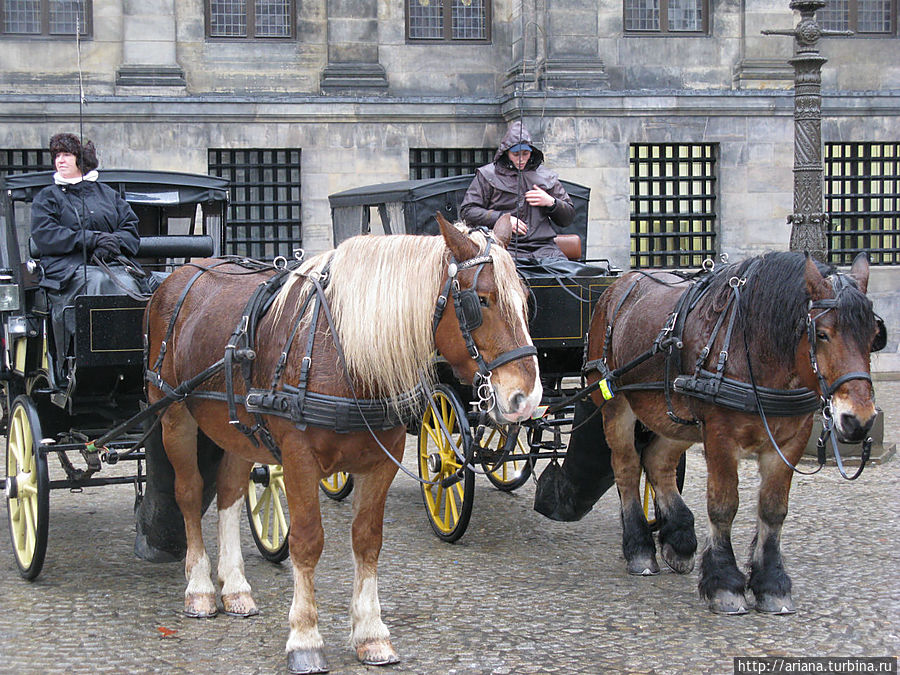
85,155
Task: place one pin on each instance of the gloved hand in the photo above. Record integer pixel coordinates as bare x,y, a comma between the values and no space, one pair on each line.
108,246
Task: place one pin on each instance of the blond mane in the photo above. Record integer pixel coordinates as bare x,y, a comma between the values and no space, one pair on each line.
382,292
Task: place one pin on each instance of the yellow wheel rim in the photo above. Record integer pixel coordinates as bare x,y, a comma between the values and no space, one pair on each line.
21,464
268,506
444,505
336,482
511,470
649,495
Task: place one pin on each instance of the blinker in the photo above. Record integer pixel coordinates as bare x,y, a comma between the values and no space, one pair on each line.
471,309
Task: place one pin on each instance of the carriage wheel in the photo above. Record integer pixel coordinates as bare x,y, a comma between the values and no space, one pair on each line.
649,494
27,488
337,486
516,468
448,507
268,512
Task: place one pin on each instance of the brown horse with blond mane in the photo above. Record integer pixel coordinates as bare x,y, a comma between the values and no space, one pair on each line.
367,347
763,343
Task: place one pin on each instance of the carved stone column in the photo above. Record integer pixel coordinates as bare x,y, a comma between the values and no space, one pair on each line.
148,56
353,66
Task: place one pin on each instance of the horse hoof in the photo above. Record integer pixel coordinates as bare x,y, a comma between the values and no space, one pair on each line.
200,605
239,604
779,605
377,653
731,604
306,661
678,563
644,567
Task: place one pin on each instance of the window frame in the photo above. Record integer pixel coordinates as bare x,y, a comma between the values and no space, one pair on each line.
87,32
251,25
663,225
447,37
427,163
853,20
663,30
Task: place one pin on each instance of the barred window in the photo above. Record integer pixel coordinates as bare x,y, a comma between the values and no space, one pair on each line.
250,18
442,162
673,204
448,20
264,200
860,16
25,160
45,17
666,16
862,199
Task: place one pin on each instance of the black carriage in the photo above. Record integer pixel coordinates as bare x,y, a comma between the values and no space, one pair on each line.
57,404
454,441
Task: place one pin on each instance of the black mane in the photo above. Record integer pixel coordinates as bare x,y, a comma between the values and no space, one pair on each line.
774,303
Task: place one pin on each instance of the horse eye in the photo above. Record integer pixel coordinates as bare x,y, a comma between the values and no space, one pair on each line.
483,301
821,335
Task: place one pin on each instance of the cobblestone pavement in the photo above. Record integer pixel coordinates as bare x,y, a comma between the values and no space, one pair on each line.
518,593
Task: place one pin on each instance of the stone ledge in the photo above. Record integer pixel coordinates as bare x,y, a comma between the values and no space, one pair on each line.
150,76
343,78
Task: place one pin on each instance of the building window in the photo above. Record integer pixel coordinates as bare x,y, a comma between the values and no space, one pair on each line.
264,200
45,17
250,18
448,20
442,162
862,199
860,16
673,204
671,17
25,161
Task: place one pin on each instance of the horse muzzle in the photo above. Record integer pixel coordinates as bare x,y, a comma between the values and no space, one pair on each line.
516,407
851,429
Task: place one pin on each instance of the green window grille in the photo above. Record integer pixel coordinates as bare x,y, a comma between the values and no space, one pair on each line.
673,204
442,162
862,199
264,206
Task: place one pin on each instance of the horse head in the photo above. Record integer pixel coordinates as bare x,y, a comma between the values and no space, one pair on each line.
486,338
842,330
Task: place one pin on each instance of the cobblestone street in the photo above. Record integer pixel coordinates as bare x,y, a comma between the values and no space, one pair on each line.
517,594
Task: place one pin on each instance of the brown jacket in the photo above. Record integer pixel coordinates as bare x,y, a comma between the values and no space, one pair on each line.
500,188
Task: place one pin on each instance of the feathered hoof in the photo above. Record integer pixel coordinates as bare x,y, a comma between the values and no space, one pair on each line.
239,604
643,567
377,653
679,564
200,605
306,661
728,603
775,604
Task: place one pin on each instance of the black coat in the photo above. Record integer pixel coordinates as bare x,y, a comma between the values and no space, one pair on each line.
60,213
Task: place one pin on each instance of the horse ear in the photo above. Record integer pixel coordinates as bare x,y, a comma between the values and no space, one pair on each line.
459,243
503,230
816,285
859,270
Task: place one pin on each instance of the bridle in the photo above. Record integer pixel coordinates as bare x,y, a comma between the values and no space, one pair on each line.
467,306
839,282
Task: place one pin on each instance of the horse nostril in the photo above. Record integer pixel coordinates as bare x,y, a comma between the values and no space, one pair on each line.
518,401
851,428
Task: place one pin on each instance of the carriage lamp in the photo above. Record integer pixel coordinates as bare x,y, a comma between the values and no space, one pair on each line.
9,295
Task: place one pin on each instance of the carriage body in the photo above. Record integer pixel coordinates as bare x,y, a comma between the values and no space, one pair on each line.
54,404
561,301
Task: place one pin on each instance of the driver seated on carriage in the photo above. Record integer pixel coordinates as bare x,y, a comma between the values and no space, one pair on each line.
77,226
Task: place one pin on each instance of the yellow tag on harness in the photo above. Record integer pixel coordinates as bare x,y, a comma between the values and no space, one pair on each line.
606,389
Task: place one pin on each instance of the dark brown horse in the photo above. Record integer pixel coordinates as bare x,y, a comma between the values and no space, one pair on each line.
382,293
779,299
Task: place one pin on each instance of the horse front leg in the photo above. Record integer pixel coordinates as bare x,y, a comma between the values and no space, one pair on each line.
770,584
637,538
677,538
231,486
368,634
721,583
179,431
305,648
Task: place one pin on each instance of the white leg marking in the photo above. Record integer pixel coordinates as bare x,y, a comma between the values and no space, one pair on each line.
198,577
231,561
365,611
303,619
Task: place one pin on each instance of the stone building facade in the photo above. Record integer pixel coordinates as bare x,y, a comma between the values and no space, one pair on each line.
355,94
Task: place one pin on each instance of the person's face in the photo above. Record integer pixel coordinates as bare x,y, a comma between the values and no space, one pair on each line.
67,165
519,159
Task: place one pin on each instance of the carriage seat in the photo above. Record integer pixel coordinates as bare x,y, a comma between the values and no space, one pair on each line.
569,244
170,246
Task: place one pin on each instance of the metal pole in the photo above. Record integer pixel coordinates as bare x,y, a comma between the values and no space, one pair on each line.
809,222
